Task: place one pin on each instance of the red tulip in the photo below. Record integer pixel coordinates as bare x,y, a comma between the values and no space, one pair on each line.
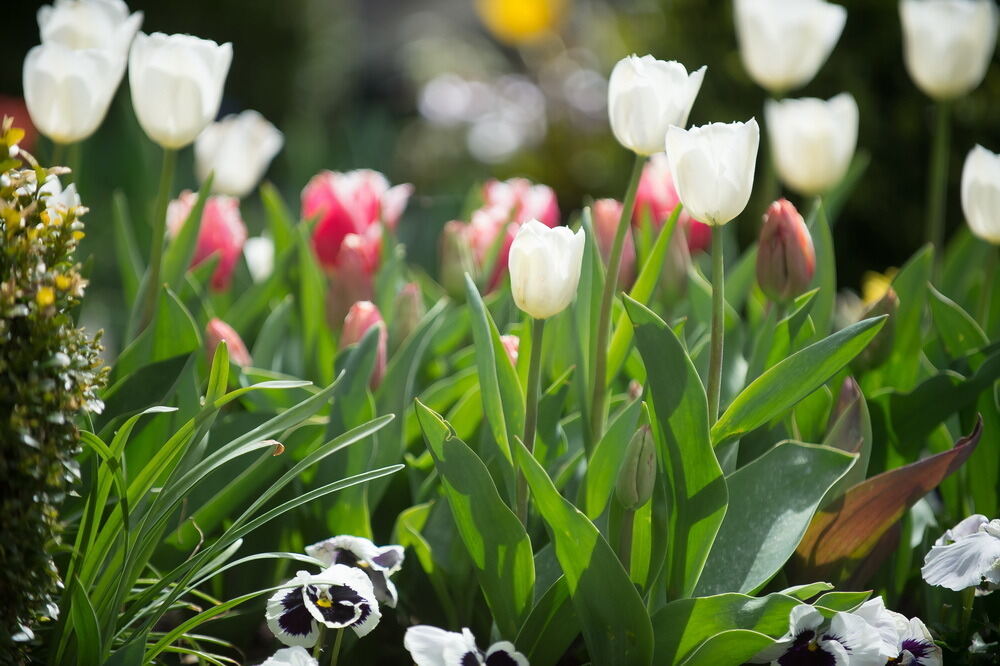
349,203
360,318
606,215
221,232
215,332
657,197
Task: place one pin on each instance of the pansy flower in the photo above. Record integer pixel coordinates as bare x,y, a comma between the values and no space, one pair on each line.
846,640
379,563
903,641
337,597
968,555
291,656
431,646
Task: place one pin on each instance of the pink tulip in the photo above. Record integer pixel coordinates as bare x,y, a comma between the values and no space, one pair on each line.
352,279
786,260
221,232
351,202
360,318
657,197
521,200
606,215
215,332
511,344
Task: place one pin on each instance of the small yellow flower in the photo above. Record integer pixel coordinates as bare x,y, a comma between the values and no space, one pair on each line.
874,284
518,21
63,282
45,297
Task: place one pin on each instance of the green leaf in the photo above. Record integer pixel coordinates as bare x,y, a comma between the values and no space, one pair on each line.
783,385
910,284
807,591
826,269
694,478
279,219
682,625
842,601
612,615
127,255
494,537
316,337
179,252
550,628
86,628
771,501
959,332
734,646
602,470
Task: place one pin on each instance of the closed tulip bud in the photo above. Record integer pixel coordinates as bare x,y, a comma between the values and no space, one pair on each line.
237,150
786,260
68,92
848,410
880,348
713,167
349,203
176,83
90,24
521,200
646,96
511,345
981,194
259,255
948,44
812,140
545,268
783,43
353,277
456,259
674,276
606,215
221,232
637,475
218,331
409,310
361,317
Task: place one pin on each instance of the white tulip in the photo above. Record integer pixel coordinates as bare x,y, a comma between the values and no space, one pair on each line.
981,194
68,92
259,254
176,83
646,96
545,268
713,167
238,149
948,44
90,24
812,141
783,43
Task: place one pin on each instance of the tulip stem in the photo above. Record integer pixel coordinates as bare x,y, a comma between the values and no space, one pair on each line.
152,282
938,185
718,324
599,402
625,539
58,154
530,412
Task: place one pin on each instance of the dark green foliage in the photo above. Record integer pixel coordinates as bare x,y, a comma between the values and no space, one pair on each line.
50,372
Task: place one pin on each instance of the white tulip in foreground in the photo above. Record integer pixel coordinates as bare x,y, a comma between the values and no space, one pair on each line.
812,141
90,24
176,83
237,149
545,268
783,43
981,194
646,96
948,44
68,92
713,167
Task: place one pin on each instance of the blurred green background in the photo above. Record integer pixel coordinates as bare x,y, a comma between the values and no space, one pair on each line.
427,92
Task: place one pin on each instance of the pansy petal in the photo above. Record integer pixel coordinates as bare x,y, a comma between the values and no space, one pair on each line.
965,563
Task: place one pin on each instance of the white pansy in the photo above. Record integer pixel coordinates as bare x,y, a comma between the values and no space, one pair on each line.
646,96
545,268
378,563
783,43
812,140
431,646
968,561
713,168
90,24
237,149
291,656
176,83
981,194
259,254
948,44
846,640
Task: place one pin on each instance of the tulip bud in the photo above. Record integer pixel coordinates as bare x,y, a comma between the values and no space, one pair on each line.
237,150
215,332
409,310
948,44
361,317
812,140
783,43
176,83
637,475
981,192
848,410
511,345
353,277
545,268
456,259
606,216
645,97
786,260
221,232
713,168
880,348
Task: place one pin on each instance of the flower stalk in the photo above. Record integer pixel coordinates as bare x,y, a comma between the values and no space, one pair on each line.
938,179
599,400
718,324
151,285
530,412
